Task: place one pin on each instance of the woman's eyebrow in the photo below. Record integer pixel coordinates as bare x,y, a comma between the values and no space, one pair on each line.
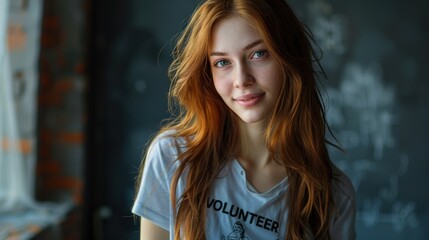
247,47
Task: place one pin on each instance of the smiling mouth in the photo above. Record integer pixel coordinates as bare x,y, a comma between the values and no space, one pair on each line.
249,99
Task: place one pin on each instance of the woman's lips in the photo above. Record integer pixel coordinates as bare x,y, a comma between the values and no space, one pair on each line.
249,100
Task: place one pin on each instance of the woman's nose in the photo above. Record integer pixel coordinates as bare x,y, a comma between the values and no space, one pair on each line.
243,77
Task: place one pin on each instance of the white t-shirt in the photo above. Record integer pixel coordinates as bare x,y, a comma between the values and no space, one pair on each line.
234,209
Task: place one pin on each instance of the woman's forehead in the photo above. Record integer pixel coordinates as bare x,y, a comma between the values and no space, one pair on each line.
233,33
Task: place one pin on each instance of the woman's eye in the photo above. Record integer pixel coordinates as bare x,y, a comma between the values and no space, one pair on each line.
259,54
221,63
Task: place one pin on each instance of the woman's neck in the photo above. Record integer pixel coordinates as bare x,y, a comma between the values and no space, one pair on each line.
252,148
262,172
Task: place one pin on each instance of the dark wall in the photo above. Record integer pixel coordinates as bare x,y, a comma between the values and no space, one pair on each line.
127,101
375,55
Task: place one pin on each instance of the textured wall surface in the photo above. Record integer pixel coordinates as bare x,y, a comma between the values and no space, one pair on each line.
375,55
61,102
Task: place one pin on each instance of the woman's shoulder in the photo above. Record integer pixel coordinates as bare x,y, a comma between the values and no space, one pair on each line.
165,147
168,140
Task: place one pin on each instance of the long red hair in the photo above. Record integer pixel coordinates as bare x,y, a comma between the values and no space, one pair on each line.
295,135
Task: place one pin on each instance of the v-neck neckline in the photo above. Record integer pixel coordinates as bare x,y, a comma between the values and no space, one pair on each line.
274,191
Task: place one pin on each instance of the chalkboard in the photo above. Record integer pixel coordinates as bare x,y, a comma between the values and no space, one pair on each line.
375,54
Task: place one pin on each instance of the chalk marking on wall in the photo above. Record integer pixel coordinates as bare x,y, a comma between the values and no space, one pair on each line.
400,216
362,112
328,28
363,92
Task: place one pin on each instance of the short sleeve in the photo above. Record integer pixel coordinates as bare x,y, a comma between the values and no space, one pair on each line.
153,198
343,221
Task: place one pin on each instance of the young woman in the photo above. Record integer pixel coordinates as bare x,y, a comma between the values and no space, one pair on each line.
246,156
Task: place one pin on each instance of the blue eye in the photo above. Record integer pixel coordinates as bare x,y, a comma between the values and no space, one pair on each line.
221,63
259,54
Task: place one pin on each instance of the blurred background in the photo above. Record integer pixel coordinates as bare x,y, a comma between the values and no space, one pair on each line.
83,86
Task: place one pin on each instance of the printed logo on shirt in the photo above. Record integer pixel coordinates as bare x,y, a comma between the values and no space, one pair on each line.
243,215
238,232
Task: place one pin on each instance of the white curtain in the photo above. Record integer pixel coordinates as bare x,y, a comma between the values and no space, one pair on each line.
18,208
17,173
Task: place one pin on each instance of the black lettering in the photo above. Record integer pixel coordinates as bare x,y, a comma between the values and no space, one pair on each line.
232,212
253,216
225,205
260,221
239,213
217,205
274,227
209,202
267,224
242,215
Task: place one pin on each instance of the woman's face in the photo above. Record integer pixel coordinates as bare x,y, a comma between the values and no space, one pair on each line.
245,74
